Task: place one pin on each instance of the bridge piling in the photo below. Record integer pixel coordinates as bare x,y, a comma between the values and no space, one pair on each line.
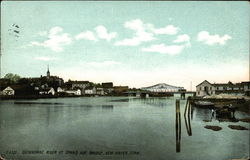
182,95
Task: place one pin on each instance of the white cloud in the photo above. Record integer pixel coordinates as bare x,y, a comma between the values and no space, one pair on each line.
102,64
128,42
88,35
141,34
56,40
169,30
164,49
136,25
103,33
182,38
208,39
144,32
45,58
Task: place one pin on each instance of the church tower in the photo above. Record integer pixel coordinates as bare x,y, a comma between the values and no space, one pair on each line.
48,73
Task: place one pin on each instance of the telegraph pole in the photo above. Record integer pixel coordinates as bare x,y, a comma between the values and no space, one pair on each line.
0,59
191,86
0,64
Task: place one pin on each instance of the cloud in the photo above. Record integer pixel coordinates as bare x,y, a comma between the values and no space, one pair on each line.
137,40
103,33
104,63
169,30
44,58
56,40
141,35
144,32
164,49
208,39
182,38
138,25
88,35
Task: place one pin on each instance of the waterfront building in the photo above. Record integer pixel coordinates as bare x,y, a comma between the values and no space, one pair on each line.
8,91
100,91
246,87
118,90
73,92
47,91
90,90
207,88
79,84
108,87
18,89
59,89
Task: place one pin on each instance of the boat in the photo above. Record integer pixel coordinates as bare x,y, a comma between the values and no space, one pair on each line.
204,104
225,111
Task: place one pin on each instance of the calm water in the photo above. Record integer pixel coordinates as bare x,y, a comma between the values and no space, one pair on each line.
131,128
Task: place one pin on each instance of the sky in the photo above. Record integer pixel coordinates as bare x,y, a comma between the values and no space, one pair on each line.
138,44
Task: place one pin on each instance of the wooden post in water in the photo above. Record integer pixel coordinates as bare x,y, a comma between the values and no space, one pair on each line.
178,126
186,107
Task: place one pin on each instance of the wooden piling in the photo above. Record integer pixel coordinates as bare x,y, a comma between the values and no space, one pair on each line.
186,107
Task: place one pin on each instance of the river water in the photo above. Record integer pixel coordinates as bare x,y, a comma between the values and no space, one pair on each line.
87,128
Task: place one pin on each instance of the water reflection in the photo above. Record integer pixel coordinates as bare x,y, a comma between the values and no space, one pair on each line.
209,115
188,113
113,123
107,107
178,126
188,124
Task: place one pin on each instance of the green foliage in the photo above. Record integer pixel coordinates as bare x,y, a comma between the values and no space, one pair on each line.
12,77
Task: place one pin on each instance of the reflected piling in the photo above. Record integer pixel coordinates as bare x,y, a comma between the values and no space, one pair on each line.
178,126
187,117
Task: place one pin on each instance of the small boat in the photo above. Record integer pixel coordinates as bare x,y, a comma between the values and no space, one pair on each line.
204,104
225,111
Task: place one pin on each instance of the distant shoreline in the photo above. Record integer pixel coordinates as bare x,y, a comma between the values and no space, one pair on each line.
39,96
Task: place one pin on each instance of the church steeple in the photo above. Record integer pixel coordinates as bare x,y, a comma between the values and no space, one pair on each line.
48,73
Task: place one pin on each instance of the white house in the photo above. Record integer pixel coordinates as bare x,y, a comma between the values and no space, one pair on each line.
8,91
47,91
205,88
99,91
90,90
73,92
59,89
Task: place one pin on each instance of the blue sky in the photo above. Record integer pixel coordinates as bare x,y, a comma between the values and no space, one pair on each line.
130,43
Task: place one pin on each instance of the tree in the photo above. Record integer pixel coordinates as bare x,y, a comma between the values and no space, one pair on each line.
12,77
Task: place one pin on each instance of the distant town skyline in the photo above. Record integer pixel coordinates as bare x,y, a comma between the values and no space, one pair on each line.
136,44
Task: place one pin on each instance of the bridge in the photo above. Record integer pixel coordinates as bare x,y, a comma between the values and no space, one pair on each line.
160,90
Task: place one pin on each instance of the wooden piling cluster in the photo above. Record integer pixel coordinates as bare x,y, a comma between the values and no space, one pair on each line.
178,126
